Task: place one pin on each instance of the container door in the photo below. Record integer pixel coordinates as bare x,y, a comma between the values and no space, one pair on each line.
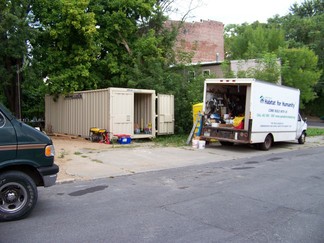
122,112
165,110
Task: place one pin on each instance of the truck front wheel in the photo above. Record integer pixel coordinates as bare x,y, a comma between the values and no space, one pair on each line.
302,138
267,143
18,195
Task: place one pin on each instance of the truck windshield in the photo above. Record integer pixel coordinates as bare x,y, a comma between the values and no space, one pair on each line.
7,113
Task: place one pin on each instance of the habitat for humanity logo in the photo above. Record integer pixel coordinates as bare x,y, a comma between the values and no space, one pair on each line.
267,100
270,101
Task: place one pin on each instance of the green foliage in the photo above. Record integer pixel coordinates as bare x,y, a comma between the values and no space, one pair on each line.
304,27
174,140
311,132
308,8
88,44
299,70
226,69
267,69
188,91
65,48
135,46
316,107
14,31
301,67
252,41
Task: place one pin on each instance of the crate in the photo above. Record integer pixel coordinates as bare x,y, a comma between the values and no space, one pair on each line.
124,139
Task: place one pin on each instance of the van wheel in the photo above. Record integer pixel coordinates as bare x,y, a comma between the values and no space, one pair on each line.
302,138
267,143
18,195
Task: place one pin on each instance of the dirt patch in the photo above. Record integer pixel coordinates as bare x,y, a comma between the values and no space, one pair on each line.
69,148
66,148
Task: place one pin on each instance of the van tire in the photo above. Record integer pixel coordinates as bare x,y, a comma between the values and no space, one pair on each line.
302,138
266,145
18,195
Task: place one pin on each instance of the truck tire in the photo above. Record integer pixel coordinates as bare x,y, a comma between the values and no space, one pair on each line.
302,138
266,145
18,195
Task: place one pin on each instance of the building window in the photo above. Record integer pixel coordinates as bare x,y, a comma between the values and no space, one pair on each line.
191,75
206,72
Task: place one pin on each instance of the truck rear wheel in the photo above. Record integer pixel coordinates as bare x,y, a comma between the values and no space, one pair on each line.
18,195
267,143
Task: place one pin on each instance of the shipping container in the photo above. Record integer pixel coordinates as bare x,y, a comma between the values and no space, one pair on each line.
135,112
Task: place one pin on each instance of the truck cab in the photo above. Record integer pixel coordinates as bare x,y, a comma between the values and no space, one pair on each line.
301,129
26,162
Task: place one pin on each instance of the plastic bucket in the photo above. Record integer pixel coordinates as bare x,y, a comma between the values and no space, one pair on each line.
195,143
201,144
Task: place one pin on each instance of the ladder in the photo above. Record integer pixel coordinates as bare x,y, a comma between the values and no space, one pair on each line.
193,128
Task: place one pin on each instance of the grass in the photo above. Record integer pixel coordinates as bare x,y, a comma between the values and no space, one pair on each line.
171,140
62,154
315,131
97,161
180,140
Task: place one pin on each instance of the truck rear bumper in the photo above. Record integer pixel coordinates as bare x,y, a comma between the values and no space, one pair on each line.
49,174
226,134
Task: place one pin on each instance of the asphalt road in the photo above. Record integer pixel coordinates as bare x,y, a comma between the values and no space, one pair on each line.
319,124
270,198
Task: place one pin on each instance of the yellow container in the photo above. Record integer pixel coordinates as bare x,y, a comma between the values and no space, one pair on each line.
196,108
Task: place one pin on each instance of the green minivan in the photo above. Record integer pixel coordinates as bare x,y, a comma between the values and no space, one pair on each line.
26,162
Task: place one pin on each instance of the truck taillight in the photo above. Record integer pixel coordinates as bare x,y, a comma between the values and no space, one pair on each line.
49,151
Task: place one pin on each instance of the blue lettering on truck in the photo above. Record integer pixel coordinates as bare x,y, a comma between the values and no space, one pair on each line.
270,101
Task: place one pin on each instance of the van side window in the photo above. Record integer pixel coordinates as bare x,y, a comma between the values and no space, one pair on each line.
2,120
299,118
7,132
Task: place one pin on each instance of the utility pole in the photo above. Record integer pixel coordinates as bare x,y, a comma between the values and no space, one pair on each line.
18,93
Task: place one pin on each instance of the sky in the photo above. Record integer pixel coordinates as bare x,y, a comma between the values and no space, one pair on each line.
233,11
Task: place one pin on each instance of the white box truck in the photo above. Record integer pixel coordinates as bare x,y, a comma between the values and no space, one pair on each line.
250,111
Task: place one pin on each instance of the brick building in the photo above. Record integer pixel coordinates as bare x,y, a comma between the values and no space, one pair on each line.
203,39
203,42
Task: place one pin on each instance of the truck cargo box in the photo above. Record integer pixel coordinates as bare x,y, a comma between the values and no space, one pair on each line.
252,112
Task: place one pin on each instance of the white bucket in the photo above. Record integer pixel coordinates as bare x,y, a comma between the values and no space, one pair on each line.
201,144
195,143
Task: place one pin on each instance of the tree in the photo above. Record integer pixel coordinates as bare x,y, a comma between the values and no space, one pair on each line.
252,41
65,48
299,70
136,47
304,27
267,68
308,8
14,35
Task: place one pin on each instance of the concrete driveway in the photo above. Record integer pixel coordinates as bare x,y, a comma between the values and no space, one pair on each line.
89,163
